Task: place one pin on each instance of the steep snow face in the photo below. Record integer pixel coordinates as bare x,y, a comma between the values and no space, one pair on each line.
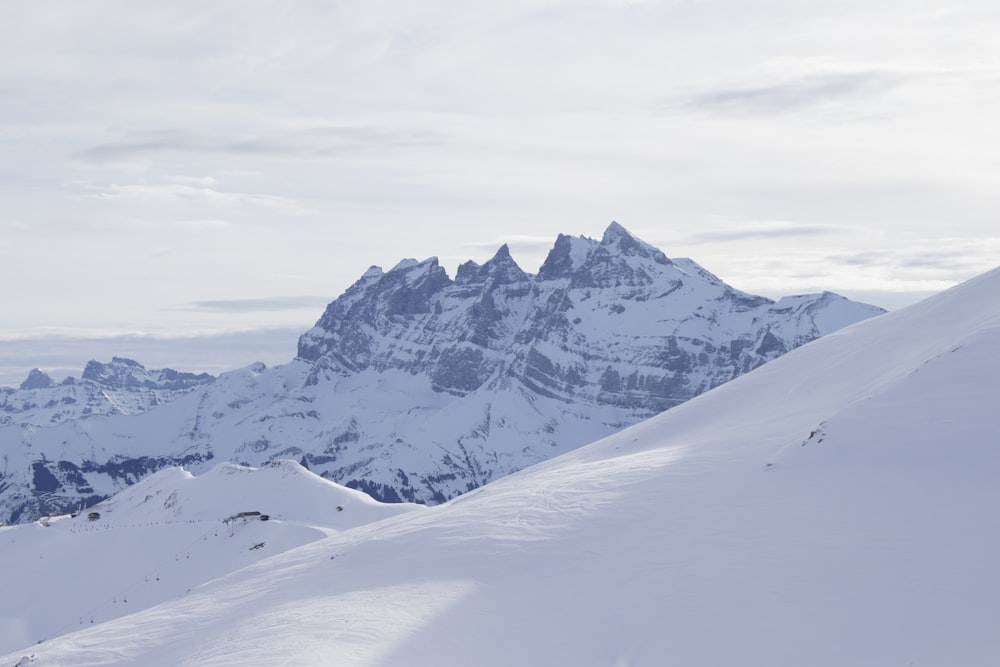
413,386
829,508
162,537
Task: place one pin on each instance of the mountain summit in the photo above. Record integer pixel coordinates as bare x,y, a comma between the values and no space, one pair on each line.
610,322
414,386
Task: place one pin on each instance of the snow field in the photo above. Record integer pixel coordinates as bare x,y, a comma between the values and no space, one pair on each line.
833,507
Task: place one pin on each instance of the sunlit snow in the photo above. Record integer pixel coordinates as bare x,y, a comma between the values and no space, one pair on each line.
834,507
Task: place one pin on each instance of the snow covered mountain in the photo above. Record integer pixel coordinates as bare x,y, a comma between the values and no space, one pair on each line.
162,537
413,386
833,507
123,387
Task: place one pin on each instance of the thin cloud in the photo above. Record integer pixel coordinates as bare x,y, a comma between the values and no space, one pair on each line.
862,259
268,304
791,95
206,223
315,141
943,261
738,235
197,196
525,243
117,150
141,143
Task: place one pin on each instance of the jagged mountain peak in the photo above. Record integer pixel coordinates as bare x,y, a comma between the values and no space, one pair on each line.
619,258
614,230
414,386
102,373
374,302
568,255
617,238
128,373
501,269
425,276
411,265
408,287
372,272
496,305
37,379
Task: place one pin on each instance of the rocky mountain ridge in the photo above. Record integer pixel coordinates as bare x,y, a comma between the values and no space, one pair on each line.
416,386
610,322
123,386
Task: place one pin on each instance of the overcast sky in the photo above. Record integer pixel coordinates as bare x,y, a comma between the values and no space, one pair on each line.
179,170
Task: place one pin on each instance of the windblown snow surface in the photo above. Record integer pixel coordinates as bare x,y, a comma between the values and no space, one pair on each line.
162,537
837,506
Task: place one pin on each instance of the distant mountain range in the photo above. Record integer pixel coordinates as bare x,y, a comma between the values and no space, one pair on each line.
415,386
123,386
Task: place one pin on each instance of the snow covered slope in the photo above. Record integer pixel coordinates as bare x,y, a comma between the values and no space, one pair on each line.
162,537
834,507
414,386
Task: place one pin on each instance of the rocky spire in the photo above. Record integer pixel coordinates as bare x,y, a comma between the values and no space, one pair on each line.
37,380
501,268
618,240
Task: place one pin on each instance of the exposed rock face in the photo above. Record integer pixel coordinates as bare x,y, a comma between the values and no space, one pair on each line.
124,373
37,380
414,386
610,322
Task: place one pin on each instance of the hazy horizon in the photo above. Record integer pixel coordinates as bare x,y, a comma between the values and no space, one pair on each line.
182,170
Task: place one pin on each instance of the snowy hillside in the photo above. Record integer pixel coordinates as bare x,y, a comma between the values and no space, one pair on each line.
160,538
414,386
834,507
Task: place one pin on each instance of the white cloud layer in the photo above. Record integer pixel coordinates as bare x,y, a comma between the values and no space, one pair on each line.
222,153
